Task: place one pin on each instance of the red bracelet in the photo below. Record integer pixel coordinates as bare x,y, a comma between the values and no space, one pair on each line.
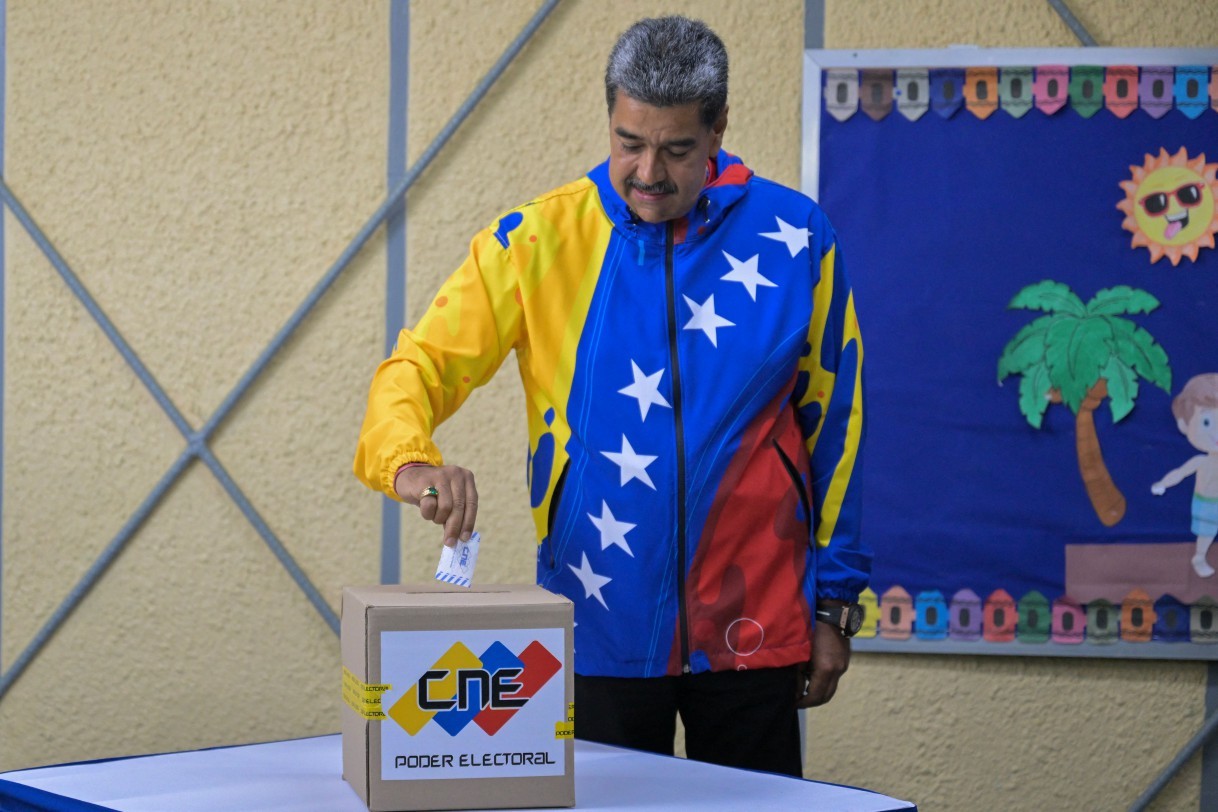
404,466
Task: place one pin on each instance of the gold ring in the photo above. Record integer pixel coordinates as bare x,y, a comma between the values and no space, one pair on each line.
429,491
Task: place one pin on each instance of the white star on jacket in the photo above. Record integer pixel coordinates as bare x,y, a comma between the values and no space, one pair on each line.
645,389
591,581
796,239
746,273
633,465
613,532
706,319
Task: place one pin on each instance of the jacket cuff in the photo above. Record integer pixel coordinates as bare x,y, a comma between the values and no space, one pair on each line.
396,463
838,592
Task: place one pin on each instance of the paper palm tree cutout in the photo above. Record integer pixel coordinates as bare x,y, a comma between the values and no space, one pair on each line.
1078,354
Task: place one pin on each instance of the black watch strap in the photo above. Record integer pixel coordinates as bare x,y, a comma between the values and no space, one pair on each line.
846,619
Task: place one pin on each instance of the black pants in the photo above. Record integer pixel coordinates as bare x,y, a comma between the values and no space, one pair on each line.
735,718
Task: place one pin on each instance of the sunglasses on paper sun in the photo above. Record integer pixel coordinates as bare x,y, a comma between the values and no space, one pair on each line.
1188,195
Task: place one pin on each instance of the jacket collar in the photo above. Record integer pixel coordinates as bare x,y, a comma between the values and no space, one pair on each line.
729,185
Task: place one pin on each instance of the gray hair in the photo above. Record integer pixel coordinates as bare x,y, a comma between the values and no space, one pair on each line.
669,61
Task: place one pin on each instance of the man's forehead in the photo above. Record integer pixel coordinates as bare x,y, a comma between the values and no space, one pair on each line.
635,119
677,140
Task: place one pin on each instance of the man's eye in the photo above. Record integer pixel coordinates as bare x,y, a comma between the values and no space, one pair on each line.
632,147
678,153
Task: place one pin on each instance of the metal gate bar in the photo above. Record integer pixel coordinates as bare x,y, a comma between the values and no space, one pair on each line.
3,307
395,248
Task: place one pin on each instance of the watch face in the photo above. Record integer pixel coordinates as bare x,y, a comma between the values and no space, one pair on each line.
854,620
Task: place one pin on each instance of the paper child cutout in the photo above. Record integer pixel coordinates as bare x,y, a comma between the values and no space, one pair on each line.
1196,413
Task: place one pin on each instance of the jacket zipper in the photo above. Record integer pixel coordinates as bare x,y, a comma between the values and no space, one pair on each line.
670,284
797,481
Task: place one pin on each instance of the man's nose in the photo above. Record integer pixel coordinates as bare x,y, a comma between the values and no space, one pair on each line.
650,168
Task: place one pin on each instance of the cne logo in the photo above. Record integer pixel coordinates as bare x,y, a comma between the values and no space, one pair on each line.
487,690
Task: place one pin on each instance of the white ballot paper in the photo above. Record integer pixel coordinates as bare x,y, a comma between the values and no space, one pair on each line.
457,563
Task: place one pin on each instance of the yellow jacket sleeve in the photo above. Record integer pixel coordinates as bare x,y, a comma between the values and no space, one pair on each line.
458,344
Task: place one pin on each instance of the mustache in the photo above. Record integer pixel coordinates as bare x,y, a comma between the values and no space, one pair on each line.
661,188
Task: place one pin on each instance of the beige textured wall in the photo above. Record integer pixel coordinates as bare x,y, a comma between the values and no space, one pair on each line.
1018,23
200,165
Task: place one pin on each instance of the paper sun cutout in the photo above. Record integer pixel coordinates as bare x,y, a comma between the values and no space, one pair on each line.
1169,205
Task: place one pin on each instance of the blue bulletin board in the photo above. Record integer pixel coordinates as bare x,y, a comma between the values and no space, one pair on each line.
1031,239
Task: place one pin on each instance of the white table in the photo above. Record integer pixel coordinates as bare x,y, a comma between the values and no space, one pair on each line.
305,775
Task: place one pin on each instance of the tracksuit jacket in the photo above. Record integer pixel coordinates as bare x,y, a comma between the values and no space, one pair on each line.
695,413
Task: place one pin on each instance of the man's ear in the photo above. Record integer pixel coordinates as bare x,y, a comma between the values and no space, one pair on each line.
1182,425
717,130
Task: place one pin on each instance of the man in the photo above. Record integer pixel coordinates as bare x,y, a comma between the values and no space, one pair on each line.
691,362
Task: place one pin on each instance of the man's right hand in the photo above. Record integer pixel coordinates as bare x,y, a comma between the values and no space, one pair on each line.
454,504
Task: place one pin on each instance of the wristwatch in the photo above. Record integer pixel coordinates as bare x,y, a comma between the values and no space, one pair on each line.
846,619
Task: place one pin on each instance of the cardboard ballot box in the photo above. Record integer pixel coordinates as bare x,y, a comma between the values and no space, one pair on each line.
458,698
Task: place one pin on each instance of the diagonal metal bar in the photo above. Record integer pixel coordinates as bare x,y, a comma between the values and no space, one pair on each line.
90,304
276,546
375,221
1207,731
196,447
1080,31
92,575
197,440
1209,753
